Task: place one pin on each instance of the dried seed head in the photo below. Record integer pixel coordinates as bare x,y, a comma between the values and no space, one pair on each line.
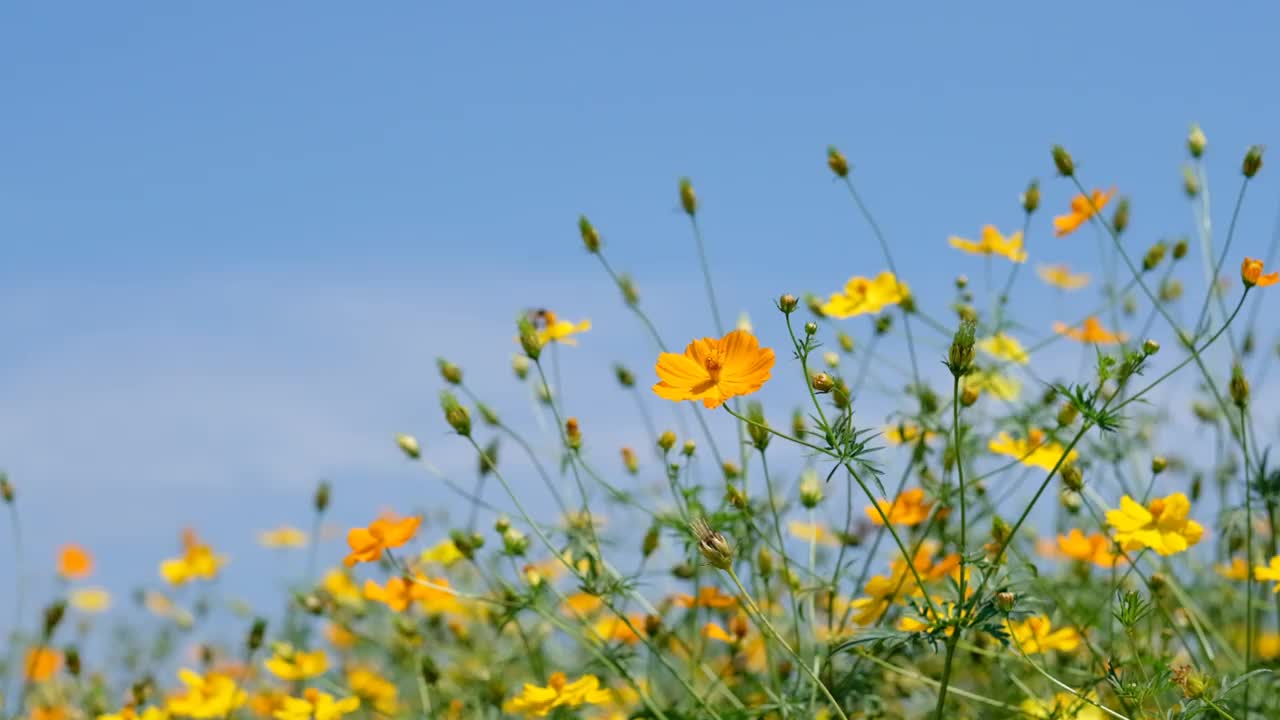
713,546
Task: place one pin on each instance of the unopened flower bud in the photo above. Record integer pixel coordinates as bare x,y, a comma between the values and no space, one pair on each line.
1120,220
688,200
455,414
787,303
630,295
529,341
883,323
764,562
968,396
514,542
1150,347
409,444
625,377
1062,160
427,670
257,632
1072,477
822,382
814,303
1239,386
321,499
501,524
652,625
1158,464
1155,254
837,162
960,357
1067,414
1190,182
731,470
572,433
650,542
1005,600
811,328
629,460
488,415
1180,248
667,440
799,426
1000,530
713,546
53,615
758,426
1252,161
451,373
6,488
735,496
690,447
845,340
1196,141
810,490
590,238
71,655
520,366
831,359
1031,197
487,461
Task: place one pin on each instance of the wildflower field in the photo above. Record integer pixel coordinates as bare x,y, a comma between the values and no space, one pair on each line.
1017,538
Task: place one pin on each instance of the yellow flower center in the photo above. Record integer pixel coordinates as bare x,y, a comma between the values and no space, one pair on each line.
1156,507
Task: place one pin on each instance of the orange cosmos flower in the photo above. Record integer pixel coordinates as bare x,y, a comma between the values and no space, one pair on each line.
1082,209
74,562
388,531
714,370
910,509
708,596
42,663
1251,273
1090,332
1095,548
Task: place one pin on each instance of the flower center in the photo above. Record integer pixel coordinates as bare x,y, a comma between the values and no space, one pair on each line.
714,363
557,681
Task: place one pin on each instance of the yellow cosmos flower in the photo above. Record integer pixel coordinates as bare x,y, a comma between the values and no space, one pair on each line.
1237,570
1251,274
1082,209
1268,646
713,631
1063,706
214,695
340,586
553,329
1005,347
288,663
339,636
615,629
812,532
1036,635
581,604
1263,573
374,690
1094,548
90,600
905,433
197,562
387,532
862,296
1035,450
714,370
442,553
283,537
910,509
990,381
316,705
1091,331
883,590
1162,525
993,243
535,701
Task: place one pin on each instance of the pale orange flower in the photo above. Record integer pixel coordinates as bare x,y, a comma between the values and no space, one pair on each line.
714,370
1061,277
388,531
1090,332
1082,209
1251,273
910,509
74,562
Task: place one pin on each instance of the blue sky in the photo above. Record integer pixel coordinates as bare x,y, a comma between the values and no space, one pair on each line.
237,235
